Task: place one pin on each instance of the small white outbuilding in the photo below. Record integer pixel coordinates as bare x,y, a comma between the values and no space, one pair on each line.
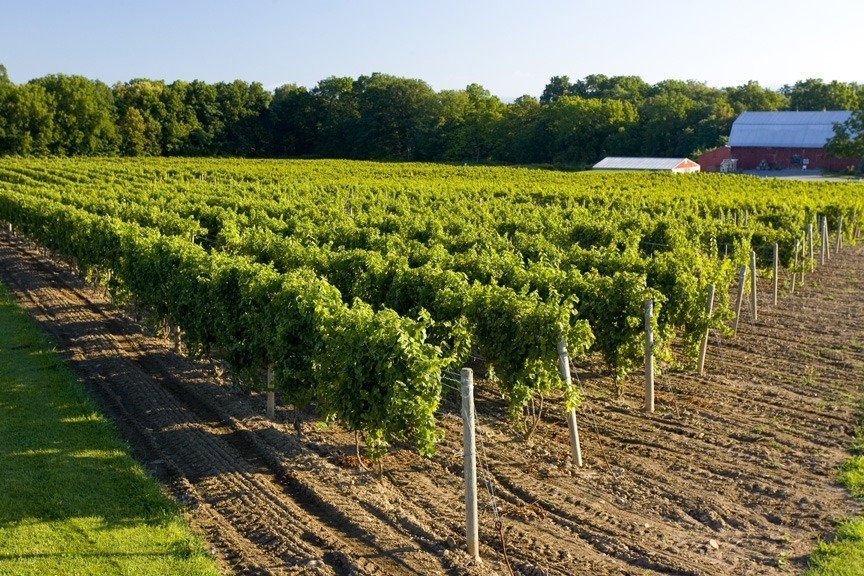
677,165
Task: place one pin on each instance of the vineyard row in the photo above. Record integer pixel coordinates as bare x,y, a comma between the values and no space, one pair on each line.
356,284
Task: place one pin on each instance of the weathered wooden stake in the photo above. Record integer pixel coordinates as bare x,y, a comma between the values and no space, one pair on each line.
564,362
271,395
839,243
803,257
795,265
649,356
470,450
753,284
703,348
810,243
776,269
742,278
822,240
827,240
818,229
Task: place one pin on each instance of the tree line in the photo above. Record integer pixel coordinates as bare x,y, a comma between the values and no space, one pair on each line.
384,117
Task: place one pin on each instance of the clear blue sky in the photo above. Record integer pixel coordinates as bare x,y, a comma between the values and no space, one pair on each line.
511,48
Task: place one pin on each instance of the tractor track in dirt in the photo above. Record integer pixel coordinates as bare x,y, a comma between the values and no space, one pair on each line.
733,474
212,460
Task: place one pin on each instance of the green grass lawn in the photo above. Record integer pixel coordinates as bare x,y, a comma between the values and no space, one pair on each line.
844,556
72,499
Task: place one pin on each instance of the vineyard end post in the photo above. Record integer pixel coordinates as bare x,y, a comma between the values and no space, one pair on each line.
776,270
470,451
827,240
753,285
795,265
839,243
649,356
564,364
742,278
703,348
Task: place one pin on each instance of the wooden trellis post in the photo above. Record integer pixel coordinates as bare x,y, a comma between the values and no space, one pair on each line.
703,348
753,284
795,265
803,258
649,356
470,450
839,243
827,239
776,269
821,241
564,362
742,278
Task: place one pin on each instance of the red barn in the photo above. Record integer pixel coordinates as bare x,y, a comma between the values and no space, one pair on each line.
786,140
711,160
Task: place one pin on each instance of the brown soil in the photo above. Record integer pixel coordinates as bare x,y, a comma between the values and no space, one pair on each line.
733,474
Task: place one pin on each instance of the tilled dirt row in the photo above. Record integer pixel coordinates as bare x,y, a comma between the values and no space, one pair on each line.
264,516
732,474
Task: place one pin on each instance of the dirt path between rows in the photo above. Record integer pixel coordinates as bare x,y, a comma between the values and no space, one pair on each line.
733,474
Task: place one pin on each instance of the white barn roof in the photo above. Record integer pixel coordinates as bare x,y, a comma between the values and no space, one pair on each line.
620,163
785,129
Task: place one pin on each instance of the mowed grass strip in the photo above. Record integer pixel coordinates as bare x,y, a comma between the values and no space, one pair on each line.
844,555
72,499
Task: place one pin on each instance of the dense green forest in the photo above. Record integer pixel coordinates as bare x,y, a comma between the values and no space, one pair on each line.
383,117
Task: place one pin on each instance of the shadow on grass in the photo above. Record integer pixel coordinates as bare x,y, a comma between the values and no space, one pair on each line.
59,458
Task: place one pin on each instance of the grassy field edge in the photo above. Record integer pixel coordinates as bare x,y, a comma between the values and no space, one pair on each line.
844,555
72,498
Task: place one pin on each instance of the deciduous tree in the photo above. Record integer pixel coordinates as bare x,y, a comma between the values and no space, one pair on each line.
848,140
84,115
